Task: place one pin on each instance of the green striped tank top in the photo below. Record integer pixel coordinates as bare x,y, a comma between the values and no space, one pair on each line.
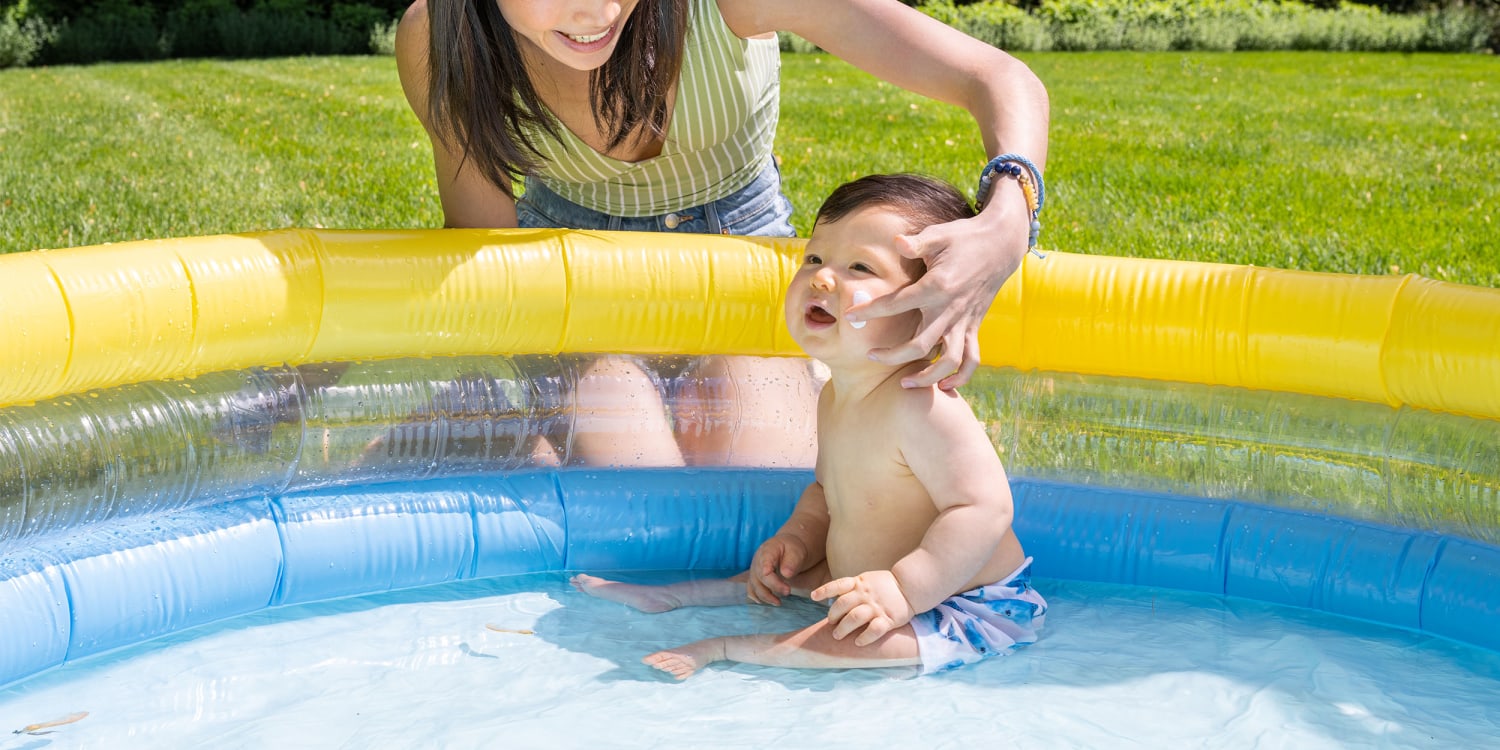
718,139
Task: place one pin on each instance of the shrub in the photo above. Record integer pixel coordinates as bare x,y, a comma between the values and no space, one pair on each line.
999,24
1257,25
117,30
792,43
133,30
383,38
192,30
355,21
22,36
1466,28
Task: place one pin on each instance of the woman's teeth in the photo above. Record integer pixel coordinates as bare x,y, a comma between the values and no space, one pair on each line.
589,38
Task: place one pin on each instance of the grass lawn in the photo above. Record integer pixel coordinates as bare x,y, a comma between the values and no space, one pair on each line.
1346,162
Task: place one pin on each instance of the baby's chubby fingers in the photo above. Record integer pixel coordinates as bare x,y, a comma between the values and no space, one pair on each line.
833,589
766,585
874,631
757,591
856,618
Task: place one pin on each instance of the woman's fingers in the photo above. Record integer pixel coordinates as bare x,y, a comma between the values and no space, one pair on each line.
949,364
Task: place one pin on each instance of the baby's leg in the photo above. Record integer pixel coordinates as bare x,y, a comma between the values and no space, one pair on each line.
713,592
710,592
812,647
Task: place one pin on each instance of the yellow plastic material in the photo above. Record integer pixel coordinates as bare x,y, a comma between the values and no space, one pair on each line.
1443,351
36,335
129,304
102,316
253,294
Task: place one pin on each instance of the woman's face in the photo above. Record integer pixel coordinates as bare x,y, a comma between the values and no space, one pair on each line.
580,34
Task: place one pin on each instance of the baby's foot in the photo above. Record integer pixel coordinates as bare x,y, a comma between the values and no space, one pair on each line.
683,661
651,599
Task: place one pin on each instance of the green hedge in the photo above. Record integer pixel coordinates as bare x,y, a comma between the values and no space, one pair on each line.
106,30
54,31
1155,25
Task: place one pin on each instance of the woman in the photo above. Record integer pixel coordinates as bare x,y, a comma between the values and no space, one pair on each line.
661,115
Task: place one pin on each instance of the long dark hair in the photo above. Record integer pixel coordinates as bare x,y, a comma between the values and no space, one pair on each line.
480,95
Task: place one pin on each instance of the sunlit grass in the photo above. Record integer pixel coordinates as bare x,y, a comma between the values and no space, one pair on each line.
1315,161
1374,163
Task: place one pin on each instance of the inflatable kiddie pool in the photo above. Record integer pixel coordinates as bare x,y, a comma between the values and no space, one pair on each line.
186,426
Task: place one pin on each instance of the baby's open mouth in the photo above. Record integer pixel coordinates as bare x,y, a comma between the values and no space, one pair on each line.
816,314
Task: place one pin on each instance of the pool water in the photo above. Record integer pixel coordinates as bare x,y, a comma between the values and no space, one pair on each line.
527,662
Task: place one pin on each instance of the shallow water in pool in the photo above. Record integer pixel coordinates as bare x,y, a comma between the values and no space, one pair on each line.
1116,666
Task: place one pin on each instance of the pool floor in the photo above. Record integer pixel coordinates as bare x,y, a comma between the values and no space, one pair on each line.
527,662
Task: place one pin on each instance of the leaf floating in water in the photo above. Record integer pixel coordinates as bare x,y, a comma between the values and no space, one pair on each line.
36,729
517,631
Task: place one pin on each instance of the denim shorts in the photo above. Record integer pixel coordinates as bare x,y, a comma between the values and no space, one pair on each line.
756,210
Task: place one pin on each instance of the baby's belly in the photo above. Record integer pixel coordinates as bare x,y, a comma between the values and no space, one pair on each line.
861,550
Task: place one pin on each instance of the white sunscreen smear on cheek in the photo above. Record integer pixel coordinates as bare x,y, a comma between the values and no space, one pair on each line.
860,297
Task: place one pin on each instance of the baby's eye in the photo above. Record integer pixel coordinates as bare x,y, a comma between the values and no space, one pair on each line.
861,268
812,260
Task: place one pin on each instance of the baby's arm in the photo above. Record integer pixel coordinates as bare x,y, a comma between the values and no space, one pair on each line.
948,451
800,544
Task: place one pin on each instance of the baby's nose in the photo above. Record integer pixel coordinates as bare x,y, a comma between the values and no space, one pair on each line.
823,279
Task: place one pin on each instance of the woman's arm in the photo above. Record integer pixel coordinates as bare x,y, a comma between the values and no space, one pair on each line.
1008,102
468,198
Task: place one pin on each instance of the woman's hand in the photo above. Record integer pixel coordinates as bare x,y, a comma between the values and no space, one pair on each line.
967,263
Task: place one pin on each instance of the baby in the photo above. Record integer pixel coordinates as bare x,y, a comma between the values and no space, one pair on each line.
906,528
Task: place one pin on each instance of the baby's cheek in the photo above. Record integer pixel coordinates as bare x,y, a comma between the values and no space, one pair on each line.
859,297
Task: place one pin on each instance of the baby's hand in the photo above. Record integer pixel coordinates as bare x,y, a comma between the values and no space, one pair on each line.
776,561
872,600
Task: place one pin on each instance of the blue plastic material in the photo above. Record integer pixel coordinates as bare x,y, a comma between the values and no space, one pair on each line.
1105,534
149,578
1462,597
519,526
34,616
119,583
373,539
705,519
1313,561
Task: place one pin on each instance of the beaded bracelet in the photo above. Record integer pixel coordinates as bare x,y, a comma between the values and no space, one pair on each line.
1030,178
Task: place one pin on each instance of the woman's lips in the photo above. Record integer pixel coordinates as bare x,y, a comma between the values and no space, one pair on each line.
588,42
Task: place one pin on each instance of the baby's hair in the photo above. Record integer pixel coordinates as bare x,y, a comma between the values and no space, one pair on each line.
923,200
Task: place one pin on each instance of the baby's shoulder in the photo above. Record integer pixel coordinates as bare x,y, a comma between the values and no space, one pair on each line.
917,410
914,401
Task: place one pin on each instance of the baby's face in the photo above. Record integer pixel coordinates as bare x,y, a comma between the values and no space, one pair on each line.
850,260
